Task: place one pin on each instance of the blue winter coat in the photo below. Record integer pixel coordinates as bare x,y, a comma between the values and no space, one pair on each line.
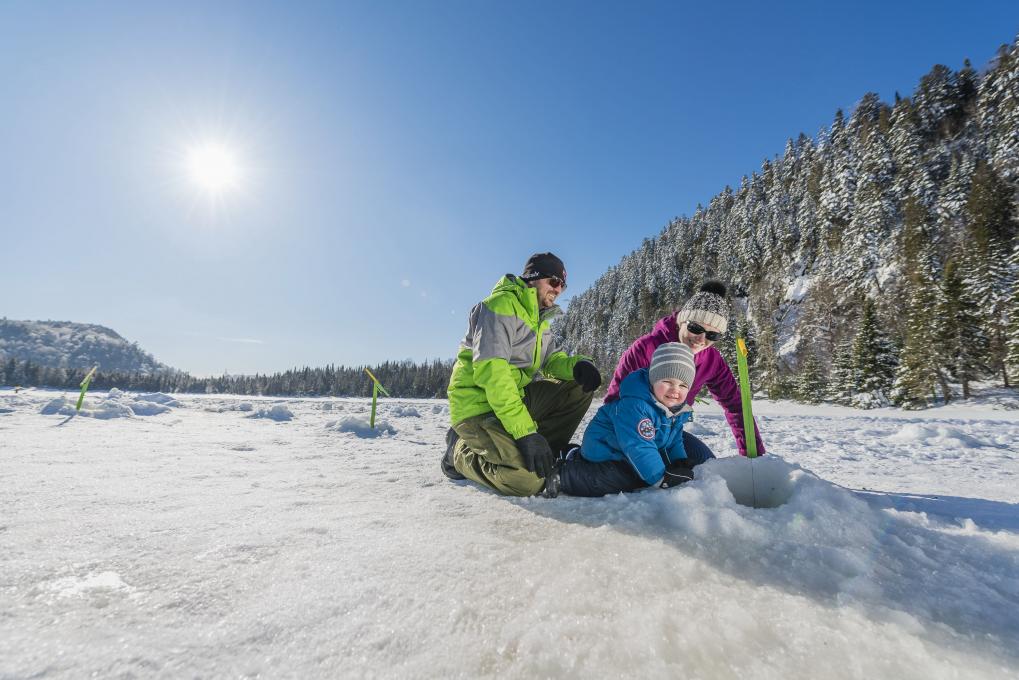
637,428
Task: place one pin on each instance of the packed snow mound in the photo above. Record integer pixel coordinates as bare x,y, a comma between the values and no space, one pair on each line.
55,407
825,541
116,404
405,412
360,426
279,412
941,435
223,407
104,410
158,398
147,408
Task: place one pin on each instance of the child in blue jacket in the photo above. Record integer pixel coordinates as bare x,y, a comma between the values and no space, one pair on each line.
637,440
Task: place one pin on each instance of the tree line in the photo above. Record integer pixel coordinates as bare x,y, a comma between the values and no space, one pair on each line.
400,378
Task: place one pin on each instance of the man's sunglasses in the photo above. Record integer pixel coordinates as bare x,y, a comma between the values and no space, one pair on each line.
555,281
698,329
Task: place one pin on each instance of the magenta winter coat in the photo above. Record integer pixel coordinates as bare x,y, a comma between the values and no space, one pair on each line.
711,371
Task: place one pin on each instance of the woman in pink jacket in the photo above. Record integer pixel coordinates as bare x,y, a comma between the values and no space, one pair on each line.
699,324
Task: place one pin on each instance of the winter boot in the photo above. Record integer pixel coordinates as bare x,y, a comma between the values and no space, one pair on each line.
448,468
552,484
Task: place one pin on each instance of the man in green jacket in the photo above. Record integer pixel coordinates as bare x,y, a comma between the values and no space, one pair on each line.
515,399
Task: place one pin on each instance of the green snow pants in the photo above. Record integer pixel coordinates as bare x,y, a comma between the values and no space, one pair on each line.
488,455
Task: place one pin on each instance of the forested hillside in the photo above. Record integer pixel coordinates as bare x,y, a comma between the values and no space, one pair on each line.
69,345
876,261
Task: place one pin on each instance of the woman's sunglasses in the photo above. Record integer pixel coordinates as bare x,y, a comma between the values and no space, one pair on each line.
698,329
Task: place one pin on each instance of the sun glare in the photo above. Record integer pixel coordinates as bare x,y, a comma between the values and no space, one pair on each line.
214,168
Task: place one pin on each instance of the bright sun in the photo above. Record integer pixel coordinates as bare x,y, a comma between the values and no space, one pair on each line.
214,168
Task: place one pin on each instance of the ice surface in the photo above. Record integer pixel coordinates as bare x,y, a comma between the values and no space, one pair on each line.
202,543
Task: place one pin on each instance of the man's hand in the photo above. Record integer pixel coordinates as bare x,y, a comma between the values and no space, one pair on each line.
585,373
537,454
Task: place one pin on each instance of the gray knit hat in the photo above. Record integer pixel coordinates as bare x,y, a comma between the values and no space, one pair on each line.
707,306
672,360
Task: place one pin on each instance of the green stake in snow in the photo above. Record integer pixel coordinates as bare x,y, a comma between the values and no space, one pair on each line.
376,387
84,387
744,391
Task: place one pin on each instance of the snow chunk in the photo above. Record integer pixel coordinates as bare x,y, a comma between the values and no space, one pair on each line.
360,426
158,398
405,411
56,407
937,435
278,412
146,408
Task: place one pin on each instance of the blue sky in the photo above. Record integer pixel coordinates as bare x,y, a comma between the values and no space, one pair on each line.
396,158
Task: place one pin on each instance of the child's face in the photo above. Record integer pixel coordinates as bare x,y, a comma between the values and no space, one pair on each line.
670,392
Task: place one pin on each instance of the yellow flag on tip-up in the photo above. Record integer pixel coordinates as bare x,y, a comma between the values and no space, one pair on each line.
376,386
84,387
749,431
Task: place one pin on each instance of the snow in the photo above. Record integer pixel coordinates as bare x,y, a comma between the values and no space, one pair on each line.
798,289
201,542
277,412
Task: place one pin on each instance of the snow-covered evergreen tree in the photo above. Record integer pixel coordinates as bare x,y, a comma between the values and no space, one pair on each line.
811,380
1012,357
986,273
874,360
917,375
962,337
843,379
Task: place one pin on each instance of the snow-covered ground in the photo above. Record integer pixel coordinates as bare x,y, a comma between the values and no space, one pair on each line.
223,536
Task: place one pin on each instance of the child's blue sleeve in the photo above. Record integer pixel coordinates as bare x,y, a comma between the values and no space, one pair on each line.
635,431
676,450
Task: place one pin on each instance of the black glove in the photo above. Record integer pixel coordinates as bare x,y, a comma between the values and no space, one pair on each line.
676,474
587,375
537,454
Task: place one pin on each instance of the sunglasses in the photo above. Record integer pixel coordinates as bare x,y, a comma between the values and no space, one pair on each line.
555,281
698,329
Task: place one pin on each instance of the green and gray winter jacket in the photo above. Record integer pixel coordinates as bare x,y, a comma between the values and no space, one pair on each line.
507,343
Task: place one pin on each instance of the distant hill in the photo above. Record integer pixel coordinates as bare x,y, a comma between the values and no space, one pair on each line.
65,344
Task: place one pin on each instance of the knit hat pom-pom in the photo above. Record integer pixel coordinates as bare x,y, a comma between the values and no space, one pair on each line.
716,287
